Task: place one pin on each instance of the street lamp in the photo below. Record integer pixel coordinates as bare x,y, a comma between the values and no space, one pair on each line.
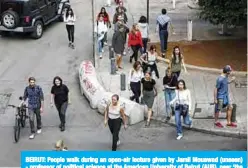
147,10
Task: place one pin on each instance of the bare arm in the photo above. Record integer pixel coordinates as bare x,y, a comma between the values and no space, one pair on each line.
52,98
183,64
167,61
123,115
106,113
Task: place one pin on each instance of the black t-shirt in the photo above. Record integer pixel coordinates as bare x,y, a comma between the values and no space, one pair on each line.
170,81
60,94
148,85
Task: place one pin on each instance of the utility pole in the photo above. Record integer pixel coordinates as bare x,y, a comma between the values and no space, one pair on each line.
147,10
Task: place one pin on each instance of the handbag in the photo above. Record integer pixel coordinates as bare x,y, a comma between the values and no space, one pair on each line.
183,108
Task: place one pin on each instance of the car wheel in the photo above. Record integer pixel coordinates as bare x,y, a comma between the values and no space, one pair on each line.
10,19
38,30
61,18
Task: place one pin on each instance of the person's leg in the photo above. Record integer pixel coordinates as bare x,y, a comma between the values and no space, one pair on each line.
229,116
178,123
165,41
136,53
58,107
116,129
156,70
132,86
167,102
187,120
161,36
218,108
99,48
72,33
132,56
31,120
145,41
178,73
139,91
38,118
63,115
136,93
68,33
110,124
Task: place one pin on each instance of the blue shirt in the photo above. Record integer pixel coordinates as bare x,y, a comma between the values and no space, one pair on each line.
34,95
222,87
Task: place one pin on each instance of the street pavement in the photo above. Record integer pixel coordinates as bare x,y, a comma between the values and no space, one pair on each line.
22,57
180,16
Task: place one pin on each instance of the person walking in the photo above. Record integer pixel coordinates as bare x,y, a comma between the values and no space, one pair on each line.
177,61
149,93
135,42
121,13
70,19
114,115
35,97
222,97
121,5
100,29
106,20
60,98
170,84
163,21
182,105
144,28
149,61
118,44
135,76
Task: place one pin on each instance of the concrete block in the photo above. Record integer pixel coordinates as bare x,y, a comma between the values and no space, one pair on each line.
98,97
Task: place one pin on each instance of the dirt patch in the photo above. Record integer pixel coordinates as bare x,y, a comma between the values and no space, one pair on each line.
212,54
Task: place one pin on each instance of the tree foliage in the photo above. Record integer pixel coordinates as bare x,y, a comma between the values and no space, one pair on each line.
230,12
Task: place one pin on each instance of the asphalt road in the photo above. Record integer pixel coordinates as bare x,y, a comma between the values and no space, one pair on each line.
22,57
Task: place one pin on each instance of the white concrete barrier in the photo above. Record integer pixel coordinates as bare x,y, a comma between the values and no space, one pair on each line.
99,98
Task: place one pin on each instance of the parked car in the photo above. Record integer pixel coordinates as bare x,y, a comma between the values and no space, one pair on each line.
30,16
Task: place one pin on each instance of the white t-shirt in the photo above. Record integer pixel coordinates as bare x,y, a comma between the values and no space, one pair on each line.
70,20
182,97
135,76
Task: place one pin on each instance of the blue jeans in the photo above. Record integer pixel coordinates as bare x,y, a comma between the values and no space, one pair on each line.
163,35
100,46
186,121
169,95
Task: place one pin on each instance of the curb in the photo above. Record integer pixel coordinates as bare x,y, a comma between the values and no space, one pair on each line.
218,133
190,6
213,69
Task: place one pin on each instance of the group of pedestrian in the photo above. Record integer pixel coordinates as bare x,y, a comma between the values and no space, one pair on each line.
34,96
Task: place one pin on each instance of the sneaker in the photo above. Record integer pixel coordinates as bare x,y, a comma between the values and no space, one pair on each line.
179,136
69,45
232,125
31,136
118,142
100,56
38,131
105,43
191,125
62,128
72,46
218,124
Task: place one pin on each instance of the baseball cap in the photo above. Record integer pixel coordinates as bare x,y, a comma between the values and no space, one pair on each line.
227,69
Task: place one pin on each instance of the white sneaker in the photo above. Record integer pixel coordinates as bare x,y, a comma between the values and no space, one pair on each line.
118,142
124,53
191,125
38,131
179,137
31,136
100,56
105,43
102,50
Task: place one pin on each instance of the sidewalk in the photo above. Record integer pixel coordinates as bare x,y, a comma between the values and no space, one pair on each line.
201,85
202,30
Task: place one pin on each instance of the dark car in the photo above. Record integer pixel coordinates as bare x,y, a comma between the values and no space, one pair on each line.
30,16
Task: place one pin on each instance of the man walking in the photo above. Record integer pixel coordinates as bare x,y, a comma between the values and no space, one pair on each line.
35,97
162,26
221,97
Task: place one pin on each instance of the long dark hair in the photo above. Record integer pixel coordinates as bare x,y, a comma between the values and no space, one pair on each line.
174,54
67,12
103,13
183,82
57,78
142,19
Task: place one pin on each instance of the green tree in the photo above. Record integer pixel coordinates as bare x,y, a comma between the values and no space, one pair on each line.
227,12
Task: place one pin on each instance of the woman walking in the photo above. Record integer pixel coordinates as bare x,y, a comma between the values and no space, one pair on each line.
135,77
182,106
60,97
143,27
170,84
106,20
177,61
149,93
100,29
70,19
114,116
118,44
135,42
